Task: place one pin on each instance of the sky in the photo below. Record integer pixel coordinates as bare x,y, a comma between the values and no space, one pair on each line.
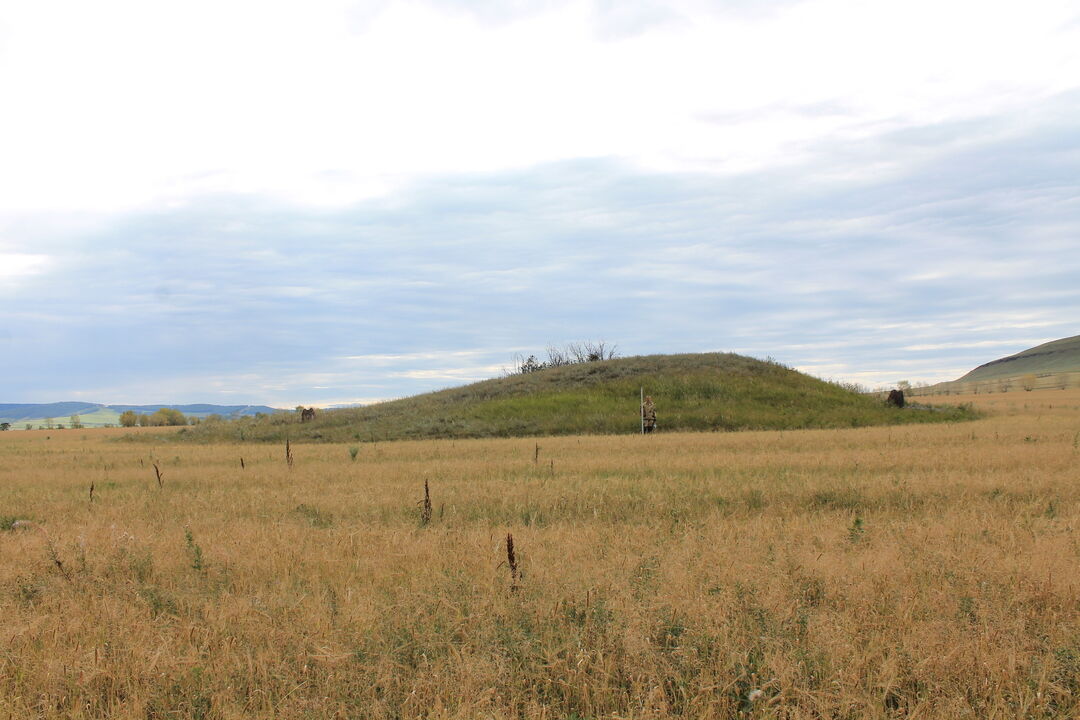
334,202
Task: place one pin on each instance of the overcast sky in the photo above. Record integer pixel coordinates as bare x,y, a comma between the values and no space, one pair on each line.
334,202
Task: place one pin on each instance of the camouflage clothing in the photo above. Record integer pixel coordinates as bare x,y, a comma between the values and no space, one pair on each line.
648,414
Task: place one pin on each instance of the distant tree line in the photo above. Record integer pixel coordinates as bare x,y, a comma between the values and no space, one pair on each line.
51,424
569,354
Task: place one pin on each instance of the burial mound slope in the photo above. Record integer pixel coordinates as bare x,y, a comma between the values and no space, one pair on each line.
699,392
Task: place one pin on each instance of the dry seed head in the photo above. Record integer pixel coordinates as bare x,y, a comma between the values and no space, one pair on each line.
425,506
511,560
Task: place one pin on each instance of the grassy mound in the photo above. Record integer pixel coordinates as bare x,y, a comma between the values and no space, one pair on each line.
692,392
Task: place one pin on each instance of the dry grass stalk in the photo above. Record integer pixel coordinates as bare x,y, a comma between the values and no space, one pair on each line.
91,491
59,563
511,560
425,506
242,467
53,555
160,475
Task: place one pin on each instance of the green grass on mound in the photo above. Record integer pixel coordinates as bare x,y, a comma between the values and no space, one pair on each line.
692,392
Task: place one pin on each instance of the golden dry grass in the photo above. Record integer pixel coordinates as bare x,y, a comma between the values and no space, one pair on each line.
911,571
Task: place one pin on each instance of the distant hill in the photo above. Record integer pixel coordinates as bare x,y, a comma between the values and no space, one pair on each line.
17,411
1052,365
692,392
1059,356
98,415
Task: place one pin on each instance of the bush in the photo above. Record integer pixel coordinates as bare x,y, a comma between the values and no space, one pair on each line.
572,354
163,417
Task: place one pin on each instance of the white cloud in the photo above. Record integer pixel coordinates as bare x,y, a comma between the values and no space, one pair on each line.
124,102
389,359
837,183
352,402
15,265
1023,344
471,373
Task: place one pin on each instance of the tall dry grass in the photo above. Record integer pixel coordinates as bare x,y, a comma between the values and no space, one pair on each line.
909,571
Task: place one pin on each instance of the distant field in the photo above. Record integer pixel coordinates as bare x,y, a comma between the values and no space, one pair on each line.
99,418
95,415
1048,381
922,571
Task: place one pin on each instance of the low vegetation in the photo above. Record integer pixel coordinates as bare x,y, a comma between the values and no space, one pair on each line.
887,572
160,418
702,392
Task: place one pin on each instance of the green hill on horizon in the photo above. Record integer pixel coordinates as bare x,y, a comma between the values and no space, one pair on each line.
1052,358
699,392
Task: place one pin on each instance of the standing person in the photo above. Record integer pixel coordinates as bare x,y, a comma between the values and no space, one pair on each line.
648,414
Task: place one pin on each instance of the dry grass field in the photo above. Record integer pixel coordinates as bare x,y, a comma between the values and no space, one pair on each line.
918,571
